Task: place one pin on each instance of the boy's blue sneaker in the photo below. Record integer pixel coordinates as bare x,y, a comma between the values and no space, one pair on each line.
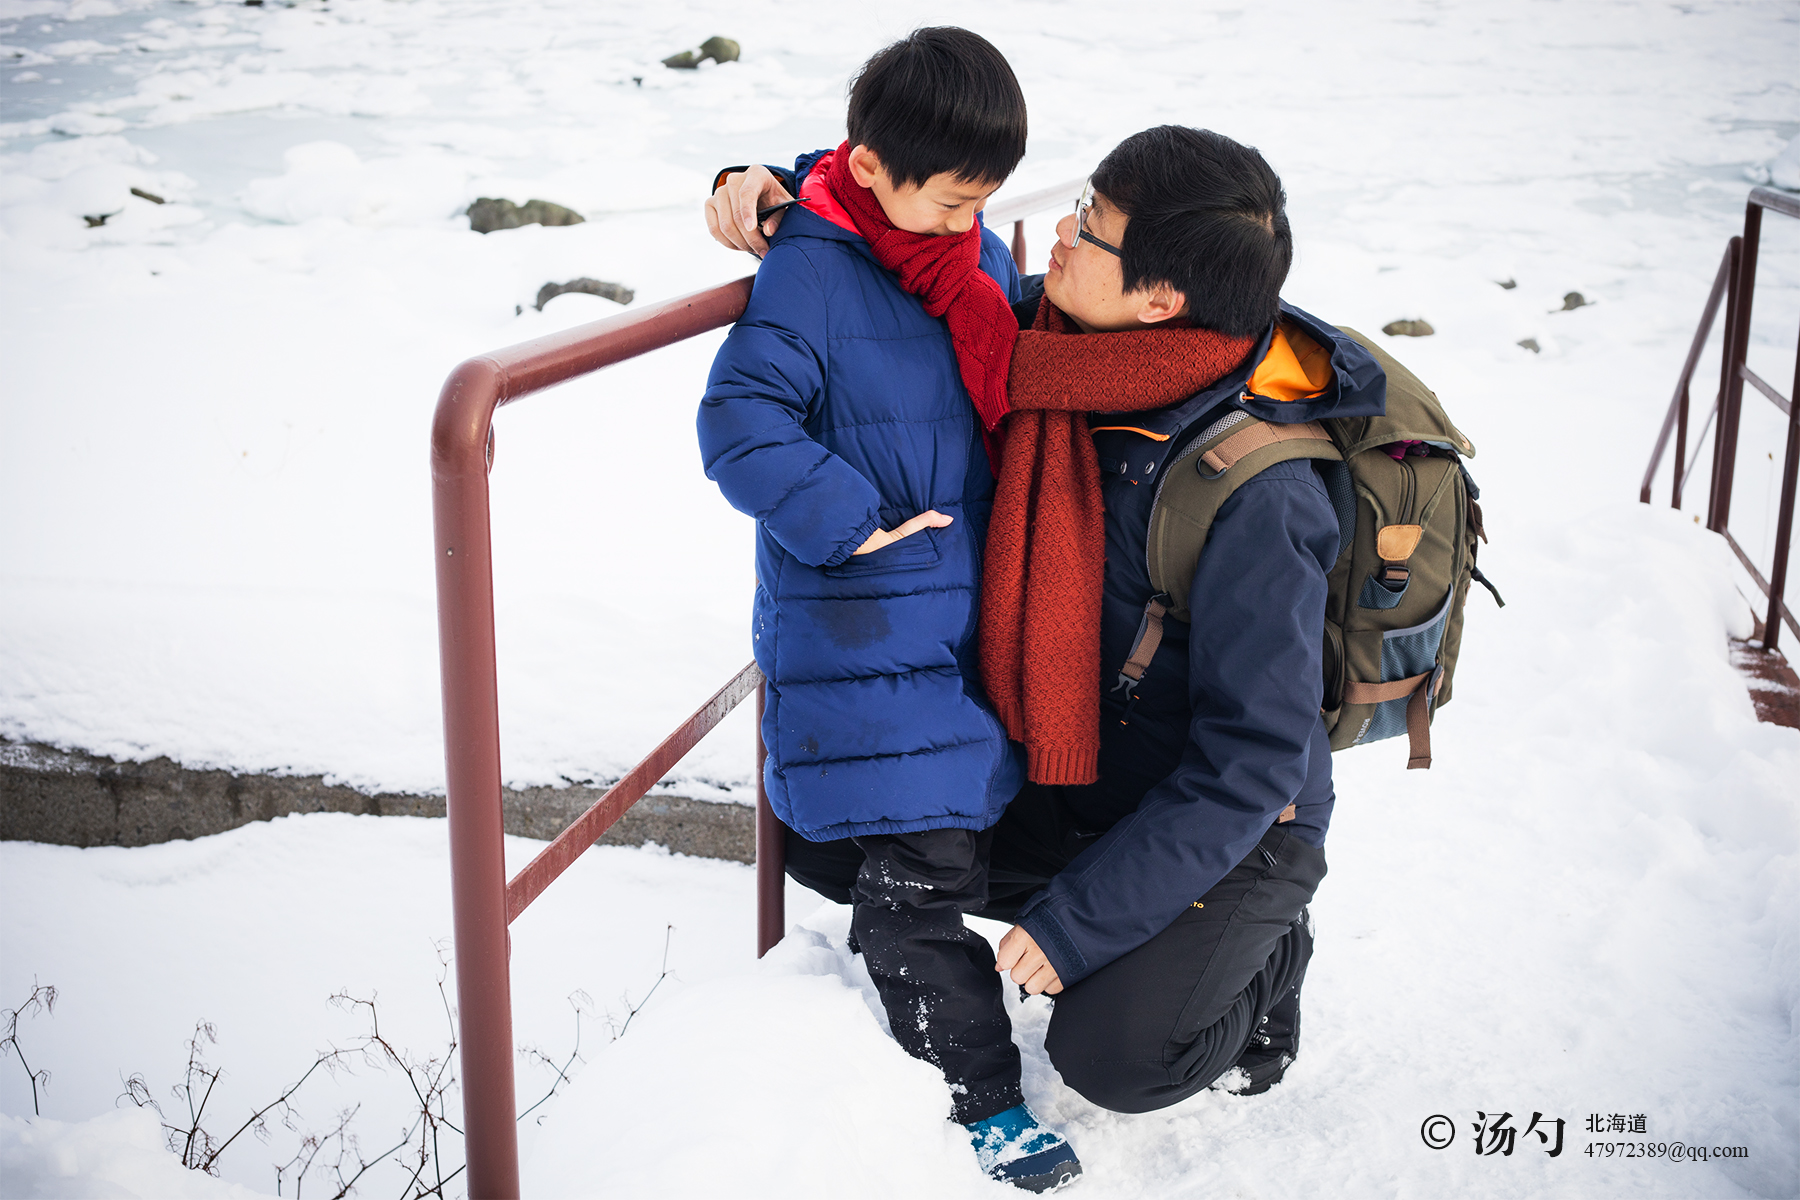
1013,1147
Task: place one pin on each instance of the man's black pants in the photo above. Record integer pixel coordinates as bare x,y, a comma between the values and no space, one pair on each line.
935,975
1162,1022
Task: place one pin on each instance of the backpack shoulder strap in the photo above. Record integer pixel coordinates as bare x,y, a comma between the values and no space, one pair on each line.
1199,483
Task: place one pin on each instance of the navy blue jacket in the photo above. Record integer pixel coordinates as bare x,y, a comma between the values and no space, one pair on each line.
836,407
1226,730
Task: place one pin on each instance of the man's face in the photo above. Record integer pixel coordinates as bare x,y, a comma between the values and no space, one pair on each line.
943,205
1087,282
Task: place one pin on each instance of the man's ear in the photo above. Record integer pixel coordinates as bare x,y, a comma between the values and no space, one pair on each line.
864,165
1161,303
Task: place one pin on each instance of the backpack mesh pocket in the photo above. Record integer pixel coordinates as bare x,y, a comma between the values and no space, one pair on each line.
1405,653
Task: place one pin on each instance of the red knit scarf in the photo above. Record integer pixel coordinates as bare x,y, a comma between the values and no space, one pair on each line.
1046,546
945,273
1040,598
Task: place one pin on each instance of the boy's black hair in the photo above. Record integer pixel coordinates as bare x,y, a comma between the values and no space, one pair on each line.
1208,218
940,99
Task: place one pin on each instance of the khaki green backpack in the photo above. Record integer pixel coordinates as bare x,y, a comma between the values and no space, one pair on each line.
1406,551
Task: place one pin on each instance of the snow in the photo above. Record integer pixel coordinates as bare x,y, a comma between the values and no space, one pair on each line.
118,1154
216,548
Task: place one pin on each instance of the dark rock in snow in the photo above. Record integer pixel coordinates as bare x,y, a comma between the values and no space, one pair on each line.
487,214
152,197
1573,300
1507,284
96,222
592,287
1408,329
1530,344
719,49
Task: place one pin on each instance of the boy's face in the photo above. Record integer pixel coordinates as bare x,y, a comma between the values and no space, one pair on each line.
1088,284
943,205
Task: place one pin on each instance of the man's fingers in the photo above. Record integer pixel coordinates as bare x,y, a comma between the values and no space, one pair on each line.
719,235
1040,979
743,199
731,209
720,224
1028,963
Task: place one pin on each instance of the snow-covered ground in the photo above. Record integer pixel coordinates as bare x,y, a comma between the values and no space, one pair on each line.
215,546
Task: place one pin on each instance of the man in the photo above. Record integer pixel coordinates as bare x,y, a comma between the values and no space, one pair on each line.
1164,906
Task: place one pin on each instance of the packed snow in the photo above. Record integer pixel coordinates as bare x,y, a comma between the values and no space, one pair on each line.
216,547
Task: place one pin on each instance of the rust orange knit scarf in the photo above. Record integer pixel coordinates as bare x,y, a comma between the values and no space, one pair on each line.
1046,545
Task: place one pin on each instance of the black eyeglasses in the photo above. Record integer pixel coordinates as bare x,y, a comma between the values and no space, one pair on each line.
1081,234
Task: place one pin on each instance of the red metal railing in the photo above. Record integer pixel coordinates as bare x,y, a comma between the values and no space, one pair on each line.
1737,281
484,902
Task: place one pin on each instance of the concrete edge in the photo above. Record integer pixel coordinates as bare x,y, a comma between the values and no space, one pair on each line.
70,798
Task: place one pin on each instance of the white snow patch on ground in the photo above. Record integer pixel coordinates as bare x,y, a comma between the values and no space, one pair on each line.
119,1154
215,546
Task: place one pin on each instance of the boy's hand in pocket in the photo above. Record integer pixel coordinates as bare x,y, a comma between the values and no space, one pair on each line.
931,519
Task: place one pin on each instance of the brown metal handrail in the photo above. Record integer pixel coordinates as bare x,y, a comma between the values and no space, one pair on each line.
1737,281
1031,203
483,900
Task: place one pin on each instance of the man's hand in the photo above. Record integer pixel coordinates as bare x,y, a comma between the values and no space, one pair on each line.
731,211
930,519
1030,969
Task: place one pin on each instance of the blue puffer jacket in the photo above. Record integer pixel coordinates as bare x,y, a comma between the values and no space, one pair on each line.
835,407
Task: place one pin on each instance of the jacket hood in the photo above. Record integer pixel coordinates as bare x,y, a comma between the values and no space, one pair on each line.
1307,370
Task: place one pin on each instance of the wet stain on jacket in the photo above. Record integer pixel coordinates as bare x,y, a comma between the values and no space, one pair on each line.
853,624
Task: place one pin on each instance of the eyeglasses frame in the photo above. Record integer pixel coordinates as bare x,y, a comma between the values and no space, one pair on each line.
1082,204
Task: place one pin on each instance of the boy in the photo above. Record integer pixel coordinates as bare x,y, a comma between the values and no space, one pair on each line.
841,413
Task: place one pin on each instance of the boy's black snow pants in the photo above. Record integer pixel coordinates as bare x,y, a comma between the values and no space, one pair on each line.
1164,1021
935,975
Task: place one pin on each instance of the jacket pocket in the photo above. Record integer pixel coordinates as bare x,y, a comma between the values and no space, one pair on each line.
913,553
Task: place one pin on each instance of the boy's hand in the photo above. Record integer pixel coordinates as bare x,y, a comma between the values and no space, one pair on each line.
932,519
1019,954
731,211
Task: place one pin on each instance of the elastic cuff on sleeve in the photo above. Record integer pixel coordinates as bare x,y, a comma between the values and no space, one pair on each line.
862,534
1048,933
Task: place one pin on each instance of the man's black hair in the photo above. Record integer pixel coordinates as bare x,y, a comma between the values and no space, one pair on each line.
939,99
1208,218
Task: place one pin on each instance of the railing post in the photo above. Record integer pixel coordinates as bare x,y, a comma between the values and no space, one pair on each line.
1734,352
1784,524
1018,244
472,774
1681,424
1679,403
771,851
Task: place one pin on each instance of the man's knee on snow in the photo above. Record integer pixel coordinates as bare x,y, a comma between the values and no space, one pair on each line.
1108,1070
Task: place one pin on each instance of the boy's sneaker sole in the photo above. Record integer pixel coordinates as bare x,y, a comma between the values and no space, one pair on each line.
1044,1171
